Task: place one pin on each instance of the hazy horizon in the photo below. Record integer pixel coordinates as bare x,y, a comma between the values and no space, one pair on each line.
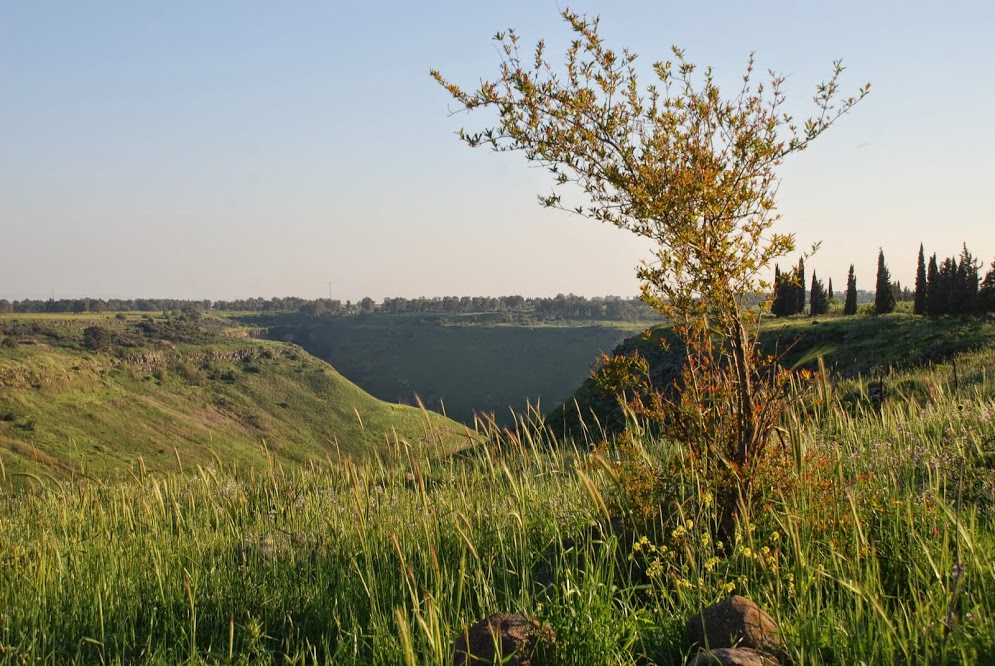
244,149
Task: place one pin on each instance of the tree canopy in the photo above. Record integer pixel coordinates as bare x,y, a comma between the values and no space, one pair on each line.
678,162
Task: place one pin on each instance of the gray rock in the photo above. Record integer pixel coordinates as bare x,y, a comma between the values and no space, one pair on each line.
736,622
502,638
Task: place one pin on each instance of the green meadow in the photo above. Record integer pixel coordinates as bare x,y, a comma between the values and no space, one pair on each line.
871,539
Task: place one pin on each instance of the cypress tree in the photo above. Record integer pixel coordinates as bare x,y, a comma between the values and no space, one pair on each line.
818,299
800,287
920,298
986,293
789,295
850,301
966,284
884,297
933,296
777,302
947,279
830,289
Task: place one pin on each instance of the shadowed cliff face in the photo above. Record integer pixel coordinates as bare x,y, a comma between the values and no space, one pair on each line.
461,369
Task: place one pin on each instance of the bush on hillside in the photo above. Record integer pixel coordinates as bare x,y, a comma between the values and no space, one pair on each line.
190,373
96,338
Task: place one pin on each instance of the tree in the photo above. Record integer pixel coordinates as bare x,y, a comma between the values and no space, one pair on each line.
831,289
777,300
800,286
818,299
919,307
986,293
946,279
367,305
965,291
952,286
789,293
884,297
850,300
784,299
685,166
96,338
935,304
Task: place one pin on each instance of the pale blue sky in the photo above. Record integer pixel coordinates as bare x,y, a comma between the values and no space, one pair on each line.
222,149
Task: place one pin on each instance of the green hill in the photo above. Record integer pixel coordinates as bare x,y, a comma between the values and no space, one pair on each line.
852,348
93,395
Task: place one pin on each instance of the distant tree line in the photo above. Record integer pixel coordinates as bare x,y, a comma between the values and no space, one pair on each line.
953,286
79,305
560,307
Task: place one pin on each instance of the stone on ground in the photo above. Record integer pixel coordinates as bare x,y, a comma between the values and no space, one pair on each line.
502,638
736,622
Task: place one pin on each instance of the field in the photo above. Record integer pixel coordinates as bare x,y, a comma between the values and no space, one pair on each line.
872,542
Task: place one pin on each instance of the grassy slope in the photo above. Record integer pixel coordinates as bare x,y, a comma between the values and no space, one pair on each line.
477,367
860,348
64,410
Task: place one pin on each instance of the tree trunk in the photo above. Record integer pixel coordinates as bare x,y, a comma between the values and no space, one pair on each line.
746,430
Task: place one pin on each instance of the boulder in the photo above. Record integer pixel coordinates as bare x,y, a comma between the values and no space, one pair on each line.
736,622
502,638
732,657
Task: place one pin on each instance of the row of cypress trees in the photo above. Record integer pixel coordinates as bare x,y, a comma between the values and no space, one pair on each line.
950,287
953,286
789,292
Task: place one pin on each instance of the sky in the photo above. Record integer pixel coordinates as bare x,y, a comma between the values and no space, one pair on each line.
224,149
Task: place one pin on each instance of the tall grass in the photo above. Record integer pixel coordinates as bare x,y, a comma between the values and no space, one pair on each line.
873,543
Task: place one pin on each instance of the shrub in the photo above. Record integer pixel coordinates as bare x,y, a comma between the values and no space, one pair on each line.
190,373
96,338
